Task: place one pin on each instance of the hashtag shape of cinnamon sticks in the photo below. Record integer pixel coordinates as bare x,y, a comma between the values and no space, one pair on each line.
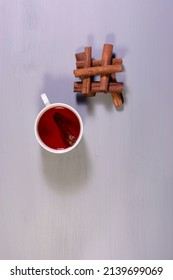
87,68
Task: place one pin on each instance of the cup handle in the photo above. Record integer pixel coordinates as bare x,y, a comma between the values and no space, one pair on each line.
45,99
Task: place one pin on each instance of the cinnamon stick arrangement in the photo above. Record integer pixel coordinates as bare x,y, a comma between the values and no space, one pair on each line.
87,68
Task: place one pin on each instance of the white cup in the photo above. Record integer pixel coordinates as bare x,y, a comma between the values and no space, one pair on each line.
48,105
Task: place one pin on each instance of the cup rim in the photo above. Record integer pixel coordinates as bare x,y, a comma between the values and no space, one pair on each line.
40,140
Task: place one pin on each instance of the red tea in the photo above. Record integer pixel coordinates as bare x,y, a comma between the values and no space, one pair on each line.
58,128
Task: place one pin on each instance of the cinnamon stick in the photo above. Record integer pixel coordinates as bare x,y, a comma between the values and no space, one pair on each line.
87,80
95,87
68,137
98,70
115,61
106,60
117,97
80,56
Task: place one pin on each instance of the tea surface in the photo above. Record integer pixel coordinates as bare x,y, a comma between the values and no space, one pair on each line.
54,134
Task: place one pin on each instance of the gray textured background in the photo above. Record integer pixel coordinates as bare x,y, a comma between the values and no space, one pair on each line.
112,197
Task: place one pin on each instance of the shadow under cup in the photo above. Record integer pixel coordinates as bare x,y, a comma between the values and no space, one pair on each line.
58,128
